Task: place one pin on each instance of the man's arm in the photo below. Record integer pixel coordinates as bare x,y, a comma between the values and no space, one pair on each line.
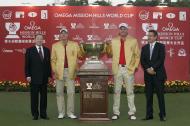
108,49
80,51
144,64
161,59
49,63
136,55
53,59
27,66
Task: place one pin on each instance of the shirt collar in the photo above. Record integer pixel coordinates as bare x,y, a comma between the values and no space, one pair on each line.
153,44
37,46
121,40
62,42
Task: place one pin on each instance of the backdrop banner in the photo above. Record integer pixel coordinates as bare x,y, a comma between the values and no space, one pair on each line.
18,25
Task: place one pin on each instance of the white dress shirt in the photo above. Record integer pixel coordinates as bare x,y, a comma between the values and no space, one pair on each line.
37,47
151,48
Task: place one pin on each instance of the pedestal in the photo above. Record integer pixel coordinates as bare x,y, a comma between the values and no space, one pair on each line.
94,91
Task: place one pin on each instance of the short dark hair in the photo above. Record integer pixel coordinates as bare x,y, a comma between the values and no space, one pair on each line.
154,32
38,34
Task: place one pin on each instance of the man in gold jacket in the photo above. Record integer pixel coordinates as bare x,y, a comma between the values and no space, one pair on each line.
125,55
64,64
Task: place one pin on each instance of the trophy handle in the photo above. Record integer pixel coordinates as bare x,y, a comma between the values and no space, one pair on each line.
104,48
82,50
108,50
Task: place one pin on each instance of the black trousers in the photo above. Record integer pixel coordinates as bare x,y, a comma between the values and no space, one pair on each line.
152,84
38,91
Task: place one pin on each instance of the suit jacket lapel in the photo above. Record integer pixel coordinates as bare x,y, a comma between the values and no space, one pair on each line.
35,50
148,50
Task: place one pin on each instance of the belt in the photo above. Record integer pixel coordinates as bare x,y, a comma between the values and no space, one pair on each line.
122,65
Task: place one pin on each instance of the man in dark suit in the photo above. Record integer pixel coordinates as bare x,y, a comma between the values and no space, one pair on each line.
152,61
37,72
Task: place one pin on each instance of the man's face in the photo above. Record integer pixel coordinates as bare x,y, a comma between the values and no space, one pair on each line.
151,37
63,36
39,40
123,31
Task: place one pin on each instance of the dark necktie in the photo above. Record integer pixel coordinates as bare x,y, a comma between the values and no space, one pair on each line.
40,53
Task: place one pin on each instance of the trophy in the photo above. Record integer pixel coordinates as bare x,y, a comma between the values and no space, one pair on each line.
93,76
93,51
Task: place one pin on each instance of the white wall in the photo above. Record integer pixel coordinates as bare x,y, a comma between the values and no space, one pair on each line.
45,2
21,2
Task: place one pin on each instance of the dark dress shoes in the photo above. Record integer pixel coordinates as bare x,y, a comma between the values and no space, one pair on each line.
148,118
35,118
163,118
44,117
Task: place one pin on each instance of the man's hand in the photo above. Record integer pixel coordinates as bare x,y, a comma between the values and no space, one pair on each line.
151,71
49,79
107,47
81,43
108,42
28,79
83,53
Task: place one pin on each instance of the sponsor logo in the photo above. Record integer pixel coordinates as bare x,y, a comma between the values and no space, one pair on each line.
56,37
19,14
110,26
73,25
32,26
170,27
157,15
7,14
93,38
182,52
90,37
44,14
32,14
144,15
170,15
182,16
77,26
